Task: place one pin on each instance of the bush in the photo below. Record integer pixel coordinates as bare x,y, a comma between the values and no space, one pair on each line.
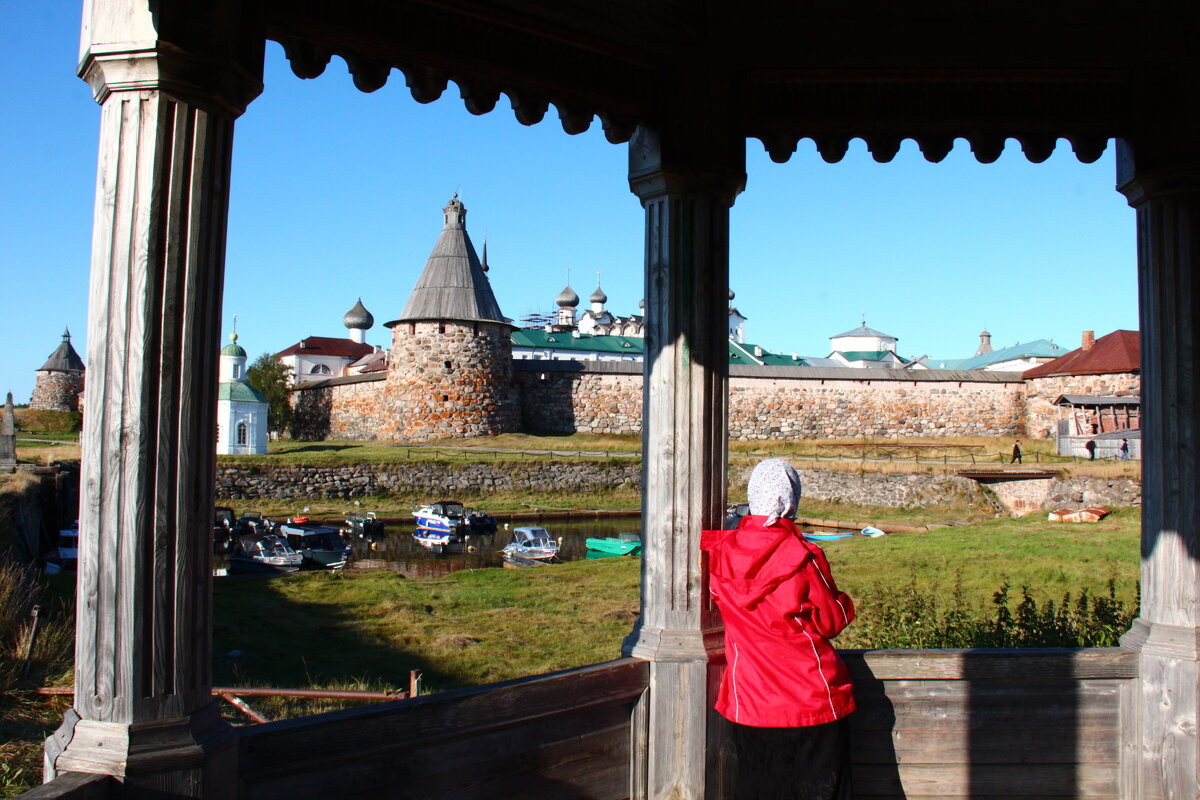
910,618
48,421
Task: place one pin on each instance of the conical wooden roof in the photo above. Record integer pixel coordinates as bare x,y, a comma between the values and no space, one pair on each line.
64,358
453,285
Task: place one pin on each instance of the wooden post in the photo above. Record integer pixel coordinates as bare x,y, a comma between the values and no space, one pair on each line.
1162,741
687,200
143,709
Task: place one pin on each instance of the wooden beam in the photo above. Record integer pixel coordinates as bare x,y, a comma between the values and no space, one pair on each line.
1159,173
143,710
686,188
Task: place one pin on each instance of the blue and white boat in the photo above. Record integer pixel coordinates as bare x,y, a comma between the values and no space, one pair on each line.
444,525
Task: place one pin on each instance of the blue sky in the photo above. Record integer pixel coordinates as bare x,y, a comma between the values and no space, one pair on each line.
338,194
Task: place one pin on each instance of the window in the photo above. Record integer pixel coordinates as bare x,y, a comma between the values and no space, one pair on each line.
319,369
237,371
241,433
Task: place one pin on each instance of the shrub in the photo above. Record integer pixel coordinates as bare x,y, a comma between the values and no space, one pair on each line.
911,618
48,421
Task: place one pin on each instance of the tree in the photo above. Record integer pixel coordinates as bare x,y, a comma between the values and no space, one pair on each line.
271,377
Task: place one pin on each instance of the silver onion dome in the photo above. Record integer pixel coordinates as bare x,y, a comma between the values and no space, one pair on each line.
358,317
567,298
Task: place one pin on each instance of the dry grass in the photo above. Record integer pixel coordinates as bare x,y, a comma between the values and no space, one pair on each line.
47,453
16,482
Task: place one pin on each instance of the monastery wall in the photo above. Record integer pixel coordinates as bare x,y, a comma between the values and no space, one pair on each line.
784,402
764,402
1040,393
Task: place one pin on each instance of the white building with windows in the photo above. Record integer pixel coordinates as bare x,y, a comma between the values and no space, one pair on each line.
241,409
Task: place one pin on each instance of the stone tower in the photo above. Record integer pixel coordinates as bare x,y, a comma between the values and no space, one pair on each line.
60,380
450,366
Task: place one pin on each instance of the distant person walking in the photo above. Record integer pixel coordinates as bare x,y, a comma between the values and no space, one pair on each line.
1091,448
1124,449
1016,458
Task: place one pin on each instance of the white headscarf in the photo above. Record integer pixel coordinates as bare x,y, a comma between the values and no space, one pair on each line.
774,490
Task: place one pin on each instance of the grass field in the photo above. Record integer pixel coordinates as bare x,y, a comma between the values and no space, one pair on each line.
367,630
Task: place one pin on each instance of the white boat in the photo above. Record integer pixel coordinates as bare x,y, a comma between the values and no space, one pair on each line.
531,542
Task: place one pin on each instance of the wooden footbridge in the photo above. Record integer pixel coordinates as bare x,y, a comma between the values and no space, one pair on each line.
685,85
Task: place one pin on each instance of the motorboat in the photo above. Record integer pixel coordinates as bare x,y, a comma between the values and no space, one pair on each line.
320,545
531,542
263,554
619,545
363,526
449,516
65,555
224,522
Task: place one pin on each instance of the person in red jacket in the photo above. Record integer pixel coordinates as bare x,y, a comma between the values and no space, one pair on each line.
785,689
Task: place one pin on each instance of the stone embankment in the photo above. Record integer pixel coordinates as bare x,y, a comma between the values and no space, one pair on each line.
425,477
893,490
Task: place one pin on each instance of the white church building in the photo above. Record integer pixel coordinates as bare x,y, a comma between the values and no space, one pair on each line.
241,409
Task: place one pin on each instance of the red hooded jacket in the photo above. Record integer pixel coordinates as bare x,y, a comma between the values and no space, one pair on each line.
781,608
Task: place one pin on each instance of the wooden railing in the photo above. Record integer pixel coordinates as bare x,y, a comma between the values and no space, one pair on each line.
940,724
991,723
564,735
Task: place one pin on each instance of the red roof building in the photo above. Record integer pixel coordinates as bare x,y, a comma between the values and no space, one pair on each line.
320,357
1119,351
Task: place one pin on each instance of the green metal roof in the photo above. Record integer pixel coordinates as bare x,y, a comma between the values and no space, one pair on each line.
584,342
237,391
869,355
1038,348
635,346
233,349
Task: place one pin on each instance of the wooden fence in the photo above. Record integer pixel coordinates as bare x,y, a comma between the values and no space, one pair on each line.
946,724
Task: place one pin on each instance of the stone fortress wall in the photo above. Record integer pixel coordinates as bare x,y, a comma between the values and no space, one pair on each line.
764,402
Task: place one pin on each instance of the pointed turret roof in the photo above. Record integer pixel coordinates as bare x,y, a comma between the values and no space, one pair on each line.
64,359
453,285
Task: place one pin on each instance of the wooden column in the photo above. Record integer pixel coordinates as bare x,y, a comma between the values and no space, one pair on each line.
1162,743
143,710
687,197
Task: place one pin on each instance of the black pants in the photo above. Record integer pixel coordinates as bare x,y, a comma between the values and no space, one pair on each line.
811,763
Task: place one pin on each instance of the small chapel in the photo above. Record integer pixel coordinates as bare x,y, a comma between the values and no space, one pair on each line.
241,409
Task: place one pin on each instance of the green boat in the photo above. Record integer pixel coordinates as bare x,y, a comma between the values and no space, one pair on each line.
620,545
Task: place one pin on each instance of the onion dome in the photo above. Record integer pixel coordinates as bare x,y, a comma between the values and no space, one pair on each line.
598,296
233,348
567,298
358,317
731,295
642,305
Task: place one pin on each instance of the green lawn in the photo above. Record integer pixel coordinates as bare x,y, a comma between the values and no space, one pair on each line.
488,625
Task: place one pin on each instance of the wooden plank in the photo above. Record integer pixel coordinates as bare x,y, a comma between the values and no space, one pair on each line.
74,786
570,756
1001,780
353,733
1099,662
1050,745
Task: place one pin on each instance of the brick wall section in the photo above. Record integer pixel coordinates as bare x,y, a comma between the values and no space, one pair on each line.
1040,393
836,409
580,402
586,401
57,391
